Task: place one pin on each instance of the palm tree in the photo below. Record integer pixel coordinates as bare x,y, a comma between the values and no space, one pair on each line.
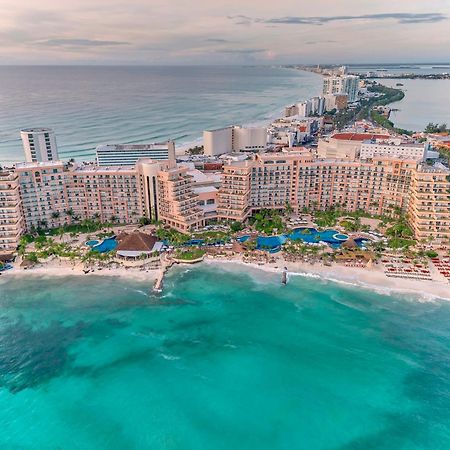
60,233
69,213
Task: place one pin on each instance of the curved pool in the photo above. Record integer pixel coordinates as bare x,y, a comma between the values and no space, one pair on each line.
270,242
106,246
309,235
92,243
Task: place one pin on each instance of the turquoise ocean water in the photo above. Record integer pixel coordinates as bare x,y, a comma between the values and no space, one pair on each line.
224,359
88,106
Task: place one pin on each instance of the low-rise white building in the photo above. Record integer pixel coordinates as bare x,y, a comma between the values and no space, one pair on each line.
396,148
234,139
129,154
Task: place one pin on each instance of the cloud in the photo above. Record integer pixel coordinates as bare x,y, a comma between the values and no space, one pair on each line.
403,18
242,20
216,40
242,51
320,42
80,43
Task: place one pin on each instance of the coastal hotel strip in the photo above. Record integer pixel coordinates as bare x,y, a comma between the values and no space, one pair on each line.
49,193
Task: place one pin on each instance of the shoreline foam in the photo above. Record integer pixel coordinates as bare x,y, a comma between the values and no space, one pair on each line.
369,279
374,280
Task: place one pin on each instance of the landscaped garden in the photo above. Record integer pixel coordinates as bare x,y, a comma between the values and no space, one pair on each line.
191,254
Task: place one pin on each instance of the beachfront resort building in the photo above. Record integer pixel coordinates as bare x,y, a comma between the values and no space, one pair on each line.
234,139
50,194
129,154
55,193
377,186
429,209
11,214
178,204
39,144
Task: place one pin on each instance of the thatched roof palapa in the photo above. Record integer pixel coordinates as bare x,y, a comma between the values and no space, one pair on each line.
136,242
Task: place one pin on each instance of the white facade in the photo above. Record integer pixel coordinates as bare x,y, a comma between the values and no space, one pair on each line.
234,139
39,144
318,105
348,84
352,87
304,108
333,85
147,173
129,154
369,149
218,142
249,139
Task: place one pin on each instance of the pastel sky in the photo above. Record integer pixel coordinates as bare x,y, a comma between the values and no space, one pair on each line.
223,32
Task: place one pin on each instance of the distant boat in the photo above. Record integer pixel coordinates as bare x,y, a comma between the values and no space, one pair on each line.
399,84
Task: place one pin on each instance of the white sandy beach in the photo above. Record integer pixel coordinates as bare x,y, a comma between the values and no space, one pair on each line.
65,271
373,279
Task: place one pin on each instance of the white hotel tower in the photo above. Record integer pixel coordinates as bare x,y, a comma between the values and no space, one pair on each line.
39,144
129,154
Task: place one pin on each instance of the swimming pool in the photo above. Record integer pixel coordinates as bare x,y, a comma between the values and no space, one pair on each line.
311,235
92,243
195,242
270,242
106,246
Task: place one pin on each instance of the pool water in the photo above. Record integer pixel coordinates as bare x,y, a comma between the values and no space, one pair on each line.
312,236
270,242
106,246
195,242
92,243
332,237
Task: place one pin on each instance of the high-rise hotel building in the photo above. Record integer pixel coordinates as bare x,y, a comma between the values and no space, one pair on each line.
11,215
377,186
53,193
39,144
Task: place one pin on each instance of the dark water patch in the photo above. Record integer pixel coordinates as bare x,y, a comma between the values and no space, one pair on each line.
31,356
398,431
136,357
